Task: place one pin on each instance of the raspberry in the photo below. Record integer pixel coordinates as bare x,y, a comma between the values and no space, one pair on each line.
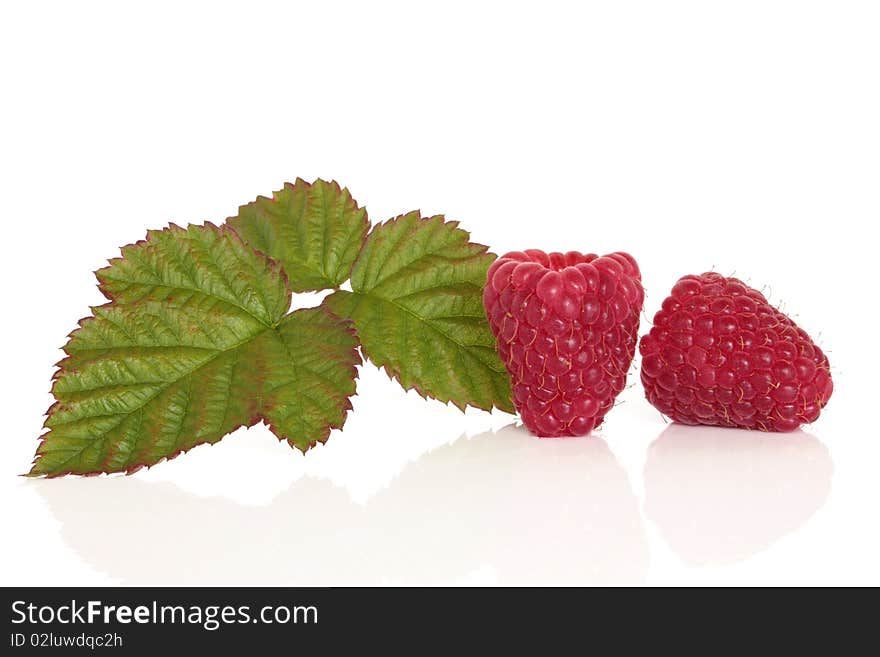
566,327
720,354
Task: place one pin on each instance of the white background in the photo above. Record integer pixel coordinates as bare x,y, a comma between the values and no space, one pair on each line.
740,136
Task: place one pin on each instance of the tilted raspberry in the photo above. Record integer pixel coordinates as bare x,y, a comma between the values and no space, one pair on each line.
720,354
566,327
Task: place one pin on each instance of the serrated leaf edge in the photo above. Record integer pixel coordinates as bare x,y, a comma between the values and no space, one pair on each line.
271,264
338,189
348,326
390,371
345,324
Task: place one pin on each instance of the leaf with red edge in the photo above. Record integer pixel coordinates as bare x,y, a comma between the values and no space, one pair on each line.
194,344
416,302
315,230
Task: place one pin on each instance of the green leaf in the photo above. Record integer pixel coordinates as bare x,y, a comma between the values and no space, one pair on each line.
315,230
194,344
309,374
416,303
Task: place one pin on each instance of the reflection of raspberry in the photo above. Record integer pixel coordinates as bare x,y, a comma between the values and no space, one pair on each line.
720,354
566,326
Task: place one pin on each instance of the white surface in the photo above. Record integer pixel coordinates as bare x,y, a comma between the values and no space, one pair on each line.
741,136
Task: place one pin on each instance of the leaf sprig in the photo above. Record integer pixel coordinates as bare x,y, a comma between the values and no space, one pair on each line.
197,339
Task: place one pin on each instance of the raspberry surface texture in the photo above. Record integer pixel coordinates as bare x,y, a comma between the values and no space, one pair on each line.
566,327
720,354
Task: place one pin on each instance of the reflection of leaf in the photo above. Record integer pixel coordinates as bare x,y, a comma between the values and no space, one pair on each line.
315,230
524,511
194,344
416,303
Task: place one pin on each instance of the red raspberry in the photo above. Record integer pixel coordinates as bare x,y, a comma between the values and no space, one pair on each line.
720,354
566,327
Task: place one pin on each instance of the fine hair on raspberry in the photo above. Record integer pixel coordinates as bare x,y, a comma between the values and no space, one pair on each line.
566,326
719,354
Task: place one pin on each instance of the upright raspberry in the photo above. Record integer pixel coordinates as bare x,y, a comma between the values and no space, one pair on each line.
566,327
720,354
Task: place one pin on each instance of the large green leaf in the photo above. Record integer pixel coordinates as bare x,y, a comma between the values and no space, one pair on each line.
315,230
416,303
194,344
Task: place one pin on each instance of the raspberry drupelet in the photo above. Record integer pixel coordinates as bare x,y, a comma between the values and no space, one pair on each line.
720,354
566,326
